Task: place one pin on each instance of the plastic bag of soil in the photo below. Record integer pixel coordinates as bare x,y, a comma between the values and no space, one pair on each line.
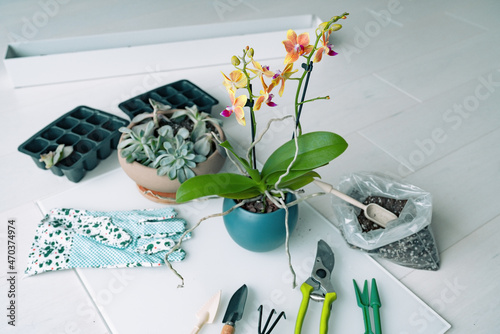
407,240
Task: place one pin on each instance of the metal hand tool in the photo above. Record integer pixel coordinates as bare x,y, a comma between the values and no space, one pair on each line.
273,311
318,287
234,311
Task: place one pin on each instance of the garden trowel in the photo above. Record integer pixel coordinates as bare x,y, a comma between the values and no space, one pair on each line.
234,311
206,314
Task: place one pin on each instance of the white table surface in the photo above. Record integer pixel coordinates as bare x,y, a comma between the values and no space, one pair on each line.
392,91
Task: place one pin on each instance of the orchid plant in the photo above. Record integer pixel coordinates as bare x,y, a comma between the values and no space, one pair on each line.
291,166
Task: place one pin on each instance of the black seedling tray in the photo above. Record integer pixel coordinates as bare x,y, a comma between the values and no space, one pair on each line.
92,133
178,95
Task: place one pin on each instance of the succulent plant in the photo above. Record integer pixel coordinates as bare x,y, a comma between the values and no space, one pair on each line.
200,120
161,142
53,157
178,157
138,144
203,144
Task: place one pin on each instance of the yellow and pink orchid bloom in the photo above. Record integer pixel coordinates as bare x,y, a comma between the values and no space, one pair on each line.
260,70
235,81
296,46
236,107
265,96
283,76
326,48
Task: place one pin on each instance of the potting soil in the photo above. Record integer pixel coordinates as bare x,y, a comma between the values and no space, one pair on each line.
417,251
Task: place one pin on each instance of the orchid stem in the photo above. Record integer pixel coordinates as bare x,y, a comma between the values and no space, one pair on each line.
315,99
250,103
254,127
308,68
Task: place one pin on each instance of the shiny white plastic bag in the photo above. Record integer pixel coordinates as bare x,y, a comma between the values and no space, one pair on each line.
406,241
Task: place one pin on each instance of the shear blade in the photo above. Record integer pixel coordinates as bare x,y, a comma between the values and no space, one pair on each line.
325,259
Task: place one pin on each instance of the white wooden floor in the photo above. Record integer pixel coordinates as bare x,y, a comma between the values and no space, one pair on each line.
415,91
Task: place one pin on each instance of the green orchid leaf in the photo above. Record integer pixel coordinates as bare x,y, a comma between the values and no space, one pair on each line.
253,173
223,184
316,149
230,148
250,193
271,180
300,181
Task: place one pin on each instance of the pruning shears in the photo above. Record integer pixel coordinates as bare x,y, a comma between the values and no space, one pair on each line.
318,287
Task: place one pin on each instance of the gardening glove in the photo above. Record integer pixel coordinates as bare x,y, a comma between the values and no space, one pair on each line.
70,238
156,236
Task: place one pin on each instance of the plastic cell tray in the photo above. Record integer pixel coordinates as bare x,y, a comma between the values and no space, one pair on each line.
92,133
178,95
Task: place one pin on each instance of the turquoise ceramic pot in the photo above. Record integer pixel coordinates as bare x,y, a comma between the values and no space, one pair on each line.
259,232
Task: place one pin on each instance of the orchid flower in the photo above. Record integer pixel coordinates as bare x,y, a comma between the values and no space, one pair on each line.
235,81
265,96
296,46
261,71
236,106
283,76
325,48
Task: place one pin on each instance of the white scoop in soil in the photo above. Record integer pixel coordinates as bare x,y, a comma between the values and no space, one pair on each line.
374,212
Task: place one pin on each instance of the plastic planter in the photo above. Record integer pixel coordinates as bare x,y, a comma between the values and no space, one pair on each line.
178,95
92,133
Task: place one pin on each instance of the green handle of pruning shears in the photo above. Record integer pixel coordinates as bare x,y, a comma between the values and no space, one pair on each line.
306,293
325,313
